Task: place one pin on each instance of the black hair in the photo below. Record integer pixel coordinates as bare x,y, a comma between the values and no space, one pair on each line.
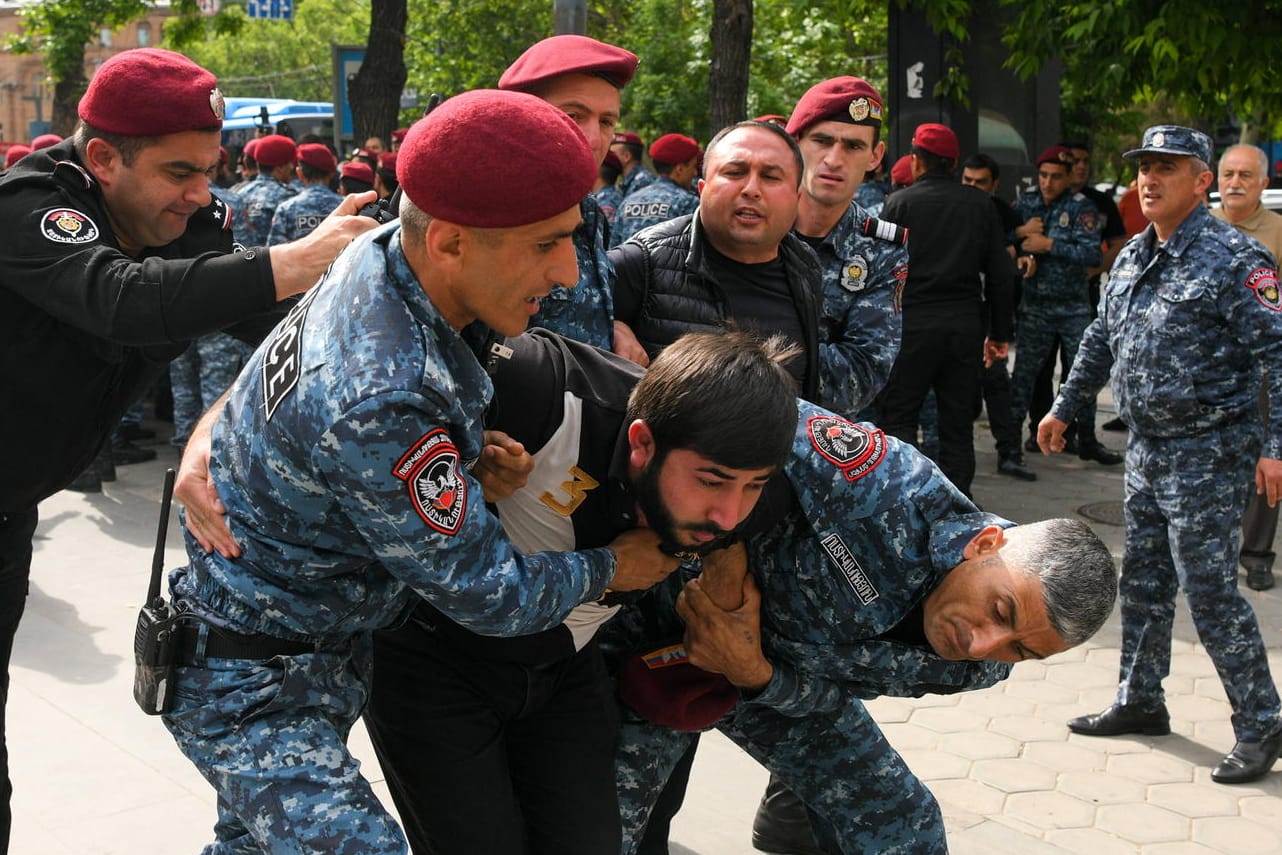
983,161
772,128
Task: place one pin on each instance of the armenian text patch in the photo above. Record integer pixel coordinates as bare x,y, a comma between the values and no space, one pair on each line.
67,225
1264,282
854,448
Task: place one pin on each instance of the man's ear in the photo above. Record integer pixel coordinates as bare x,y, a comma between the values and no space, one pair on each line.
445,243
102,159
641,444
987,542
878,154
698,187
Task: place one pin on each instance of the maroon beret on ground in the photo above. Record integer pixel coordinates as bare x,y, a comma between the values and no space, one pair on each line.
387,160
357,170
494,159
15,153
627,137
569,54
399,134
275,150
902,172
317,156
673,149
939,140
841,99
664,688
1059,154
44,141
148,92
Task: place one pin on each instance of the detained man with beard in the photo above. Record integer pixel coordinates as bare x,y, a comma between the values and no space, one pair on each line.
507,744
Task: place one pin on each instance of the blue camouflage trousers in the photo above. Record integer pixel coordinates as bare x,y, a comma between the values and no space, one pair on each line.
1035,344
271,737
1184,503
859,789
199,375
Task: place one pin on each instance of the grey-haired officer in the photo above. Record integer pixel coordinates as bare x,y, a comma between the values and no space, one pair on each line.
297,216
882,580
1189,315
343,457
584,78
676,160
276,155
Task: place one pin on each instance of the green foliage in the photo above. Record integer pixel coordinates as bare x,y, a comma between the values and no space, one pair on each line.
60,29
274,59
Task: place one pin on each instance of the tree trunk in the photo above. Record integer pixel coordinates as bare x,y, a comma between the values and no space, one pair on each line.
66,101
375,91
728,74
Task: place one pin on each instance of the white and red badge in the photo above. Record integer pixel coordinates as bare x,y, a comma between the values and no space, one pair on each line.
1264,282
855,449
438,490
67,225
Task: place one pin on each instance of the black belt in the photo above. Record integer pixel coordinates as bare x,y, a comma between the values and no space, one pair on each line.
225,644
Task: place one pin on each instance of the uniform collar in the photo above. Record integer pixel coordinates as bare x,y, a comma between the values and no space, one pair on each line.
1186,231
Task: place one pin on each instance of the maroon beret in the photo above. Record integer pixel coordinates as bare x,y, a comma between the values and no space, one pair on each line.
569,54
1059,154
627,137
15,153
387,160
673,149
317,156
664,688
494,159
841,99
902,172
938,140
612,160
357,170
148,92
248,150
44,141
275,150
399,134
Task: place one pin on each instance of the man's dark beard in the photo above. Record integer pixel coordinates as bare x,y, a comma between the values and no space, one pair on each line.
645,487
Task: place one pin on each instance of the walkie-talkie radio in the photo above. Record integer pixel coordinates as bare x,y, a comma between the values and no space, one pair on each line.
155,638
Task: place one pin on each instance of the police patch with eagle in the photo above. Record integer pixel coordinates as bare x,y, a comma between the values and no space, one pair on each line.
856,449
437,489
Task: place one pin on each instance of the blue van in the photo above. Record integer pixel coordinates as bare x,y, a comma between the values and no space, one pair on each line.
282,116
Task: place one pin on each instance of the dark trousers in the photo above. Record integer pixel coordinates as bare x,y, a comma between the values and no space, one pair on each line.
996,388
15,571
1260,522
490,757
948,360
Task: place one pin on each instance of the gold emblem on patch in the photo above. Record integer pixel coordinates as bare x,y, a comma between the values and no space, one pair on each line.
859,109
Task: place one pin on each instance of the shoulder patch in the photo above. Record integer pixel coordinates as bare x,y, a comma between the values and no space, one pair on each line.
221,213
67,225
855,449
1264,282
887,231
438,491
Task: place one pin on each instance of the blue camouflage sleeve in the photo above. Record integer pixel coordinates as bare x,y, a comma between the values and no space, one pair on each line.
862,334
1251,303
1091,368
404,486
1081,240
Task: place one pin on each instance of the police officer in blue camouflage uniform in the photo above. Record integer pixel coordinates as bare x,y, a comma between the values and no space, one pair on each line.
676,159
628,146
276,155
1062,231
837,124
343,459
582,77
297,216
607,194
1189,315
883,580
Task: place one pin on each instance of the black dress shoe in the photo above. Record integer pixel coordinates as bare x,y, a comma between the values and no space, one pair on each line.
1015,468
1248,761
1099,453
1117,720
124,452
1115,424
1259,578
88,481
1031,446
133,432
782,823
